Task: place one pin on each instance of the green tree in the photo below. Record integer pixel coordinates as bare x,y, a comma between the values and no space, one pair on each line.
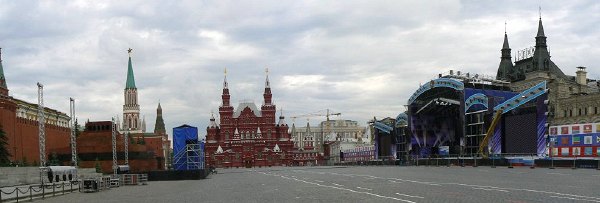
98,166
4,154
54,161
77,129
24,162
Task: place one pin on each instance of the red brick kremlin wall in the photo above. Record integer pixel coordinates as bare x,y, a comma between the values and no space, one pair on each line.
23,134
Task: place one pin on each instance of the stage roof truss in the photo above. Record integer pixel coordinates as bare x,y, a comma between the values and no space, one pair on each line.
522,97
440,82
439,101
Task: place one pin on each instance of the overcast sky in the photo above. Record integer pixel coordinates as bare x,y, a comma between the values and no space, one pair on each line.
362,59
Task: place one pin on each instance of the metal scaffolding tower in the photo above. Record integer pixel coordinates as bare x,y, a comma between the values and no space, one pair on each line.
114,147
192,158
126,140
41,122
73,133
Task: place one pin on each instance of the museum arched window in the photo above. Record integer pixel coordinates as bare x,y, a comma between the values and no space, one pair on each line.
571,113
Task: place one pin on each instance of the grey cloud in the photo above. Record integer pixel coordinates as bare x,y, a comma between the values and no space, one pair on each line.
371,55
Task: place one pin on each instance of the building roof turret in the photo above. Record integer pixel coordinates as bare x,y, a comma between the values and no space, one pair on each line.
281,119
540,32
213,123
159,125
2,78
130,84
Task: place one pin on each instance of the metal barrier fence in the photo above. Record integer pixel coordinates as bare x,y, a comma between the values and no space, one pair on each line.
37,191
134,179
507,160
31,192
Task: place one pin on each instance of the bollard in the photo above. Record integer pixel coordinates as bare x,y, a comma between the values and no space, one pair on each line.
437,161
493,162
510,165
598,165
30,194
474,162
574,159
551,162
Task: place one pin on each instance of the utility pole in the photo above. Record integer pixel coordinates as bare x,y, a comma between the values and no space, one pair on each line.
73,133
41,122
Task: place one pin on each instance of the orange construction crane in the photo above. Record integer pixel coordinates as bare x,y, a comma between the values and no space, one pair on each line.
327,124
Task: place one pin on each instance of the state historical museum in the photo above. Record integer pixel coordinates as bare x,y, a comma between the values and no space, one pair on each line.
247,136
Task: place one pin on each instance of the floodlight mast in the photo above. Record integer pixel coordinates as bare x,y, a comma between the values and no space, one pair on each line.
126,140
41,122
114,146
73,133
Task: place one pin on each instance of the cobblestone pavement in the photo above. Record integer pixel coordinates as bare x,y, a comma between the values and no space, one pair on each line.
365,184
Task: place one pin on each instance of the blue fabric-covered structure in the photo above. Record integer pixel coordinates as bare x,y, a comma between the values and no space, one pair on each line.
187,149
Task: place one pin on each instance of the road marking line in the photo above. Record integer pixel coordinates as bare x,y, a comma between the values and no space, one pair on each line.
320,181
412,181
410,195
364,188
575,199
527,190
480,186
475,188
337,184
346,189
564,174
